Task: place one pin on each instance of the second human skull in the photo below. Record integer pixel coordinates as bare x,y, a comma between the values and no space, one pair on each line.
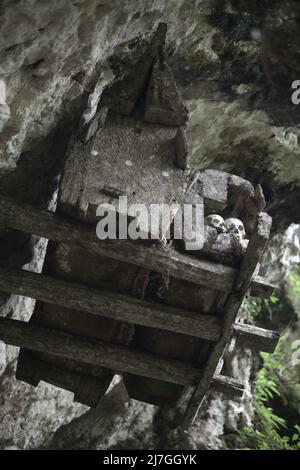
216,221
236,227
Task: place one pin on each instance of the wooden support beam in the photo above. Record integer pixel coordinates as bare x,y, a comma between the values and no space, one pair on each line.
262,288
256,338
230,387
254,252
109,304
248,268
96,353
20,216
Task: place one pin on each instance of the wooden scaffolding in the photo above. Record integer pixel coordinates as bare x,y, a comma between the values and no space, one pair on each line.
160,317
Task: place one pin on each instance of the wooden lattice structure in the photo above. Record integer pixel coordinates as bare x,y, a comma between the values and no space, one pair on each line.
161,317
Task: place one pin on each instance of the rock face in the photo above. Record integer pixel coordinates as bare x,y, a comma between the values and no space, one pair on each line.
235,77
283,254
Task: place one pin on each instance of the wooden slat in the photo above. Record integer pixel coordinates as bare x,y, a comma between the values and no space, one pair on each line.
108,304
251,259
230,387
99,354
23,217
254,252
256,338
262,288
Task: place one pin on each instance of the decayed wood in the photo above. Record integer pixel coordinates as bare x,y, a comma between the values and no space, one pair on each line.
123,94
230,387
87,389
98,353
147,174
261,287
109,304
256,338
163,102
214,190
195,218
248,204
23,217
89,351
252,257
254,251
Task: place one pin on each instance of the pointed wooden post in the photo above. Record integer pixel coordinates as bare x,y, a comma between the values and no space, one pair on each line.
251,259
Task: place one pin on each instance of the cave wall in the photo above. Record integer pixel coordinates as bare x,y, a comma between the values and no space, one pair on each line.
235,79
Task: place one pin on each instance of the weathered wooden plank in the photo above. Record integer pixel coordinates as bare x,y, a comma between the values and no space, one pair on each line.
110,304
123,94
98,353
87,389
256,338
214,190
89,351
146,175
261,287
163,101
254,251
26,218
230,387
195,218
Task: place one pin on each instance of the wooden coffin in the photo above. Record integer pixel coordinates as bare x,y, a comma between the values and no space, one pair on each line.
147,309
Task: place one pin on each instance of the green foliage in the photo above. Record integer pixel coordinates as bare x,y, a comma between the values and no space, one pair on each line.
276,391
255,306
278,377
294,291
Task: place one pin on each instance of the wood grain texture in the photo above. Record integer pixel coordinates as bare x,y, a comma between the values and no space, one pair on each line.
132,70
230,387
108,304
135,158
261,287
256,338
163,101
87,389
26,218
97,353
254,251
252,257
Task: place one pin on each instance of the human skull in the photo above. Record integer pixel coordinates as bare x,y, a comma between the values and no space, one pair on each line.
236,227
216,221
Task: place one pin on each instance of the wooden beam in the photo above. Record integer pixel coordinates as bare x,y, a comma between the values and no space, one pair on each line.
256,338
251,259
20,216
109,304
96,353
228,386
262,288
254,252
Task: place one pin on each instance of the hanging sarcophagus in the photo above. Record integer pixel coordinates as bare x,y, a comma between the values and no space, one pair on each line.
149,309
